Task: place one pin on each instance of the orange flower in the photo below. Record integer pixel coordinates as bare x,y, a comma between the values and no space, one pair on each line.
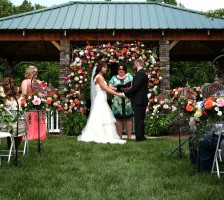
77,101
72,105
189,108
208,102
124,50
79,71
156,81
81,110
23,102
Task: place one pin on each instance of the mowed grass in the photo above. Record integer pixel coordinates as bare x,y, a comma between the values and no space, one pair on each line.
68,169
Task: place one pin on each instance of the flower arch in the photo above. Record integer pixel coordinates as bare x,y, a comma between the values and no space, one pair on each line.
84,59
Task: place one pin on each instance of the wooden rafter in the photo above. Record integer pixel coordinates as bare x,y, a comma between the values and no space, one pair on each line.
173,44
56,45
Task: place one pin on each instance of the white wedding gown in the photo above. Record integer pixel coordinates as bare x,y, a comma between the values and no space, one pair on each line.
100,125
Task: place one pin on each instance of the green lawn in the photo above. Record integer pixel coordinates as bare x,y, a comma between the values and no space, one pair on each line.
76,170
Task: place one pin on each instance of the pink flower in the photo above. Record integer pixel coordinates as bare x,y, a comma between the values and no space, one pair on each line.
220,102
36,101
165,106
198,89
174,108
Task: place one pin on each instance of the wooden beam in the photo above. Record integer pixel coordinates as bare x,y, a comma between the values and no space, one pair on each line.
56,45
107,35
173,44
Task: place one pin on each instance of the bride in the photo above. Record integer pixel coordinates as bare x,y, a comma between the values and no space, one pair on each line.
100,125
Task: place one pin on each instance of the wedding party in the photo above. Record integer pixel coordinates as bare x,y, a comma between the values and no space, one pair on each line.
111,100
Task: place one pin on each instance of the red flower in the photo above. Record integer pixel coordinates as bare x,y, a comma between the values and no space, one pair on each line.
48,102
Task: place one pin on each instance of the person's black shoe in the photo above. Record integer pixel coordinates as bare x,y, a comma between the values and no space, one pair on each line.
140,139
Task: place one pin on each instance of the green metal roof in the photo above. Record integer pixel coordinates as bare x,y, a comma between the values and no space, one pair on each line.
111,15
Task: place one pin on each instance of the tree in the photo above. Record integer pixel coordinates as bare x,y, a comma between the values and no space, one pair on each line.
172,2
6,8
27,6
215,13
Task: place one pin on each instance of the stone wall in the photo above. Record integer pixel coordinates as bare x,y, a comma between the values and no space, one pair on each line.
164,56
64,62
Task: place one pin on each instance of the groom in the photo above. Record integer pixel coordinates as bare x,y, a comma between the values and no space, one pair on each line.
138,95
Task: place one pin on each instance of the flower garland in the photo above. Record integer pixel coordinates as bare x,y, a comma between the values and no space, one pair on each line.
84,59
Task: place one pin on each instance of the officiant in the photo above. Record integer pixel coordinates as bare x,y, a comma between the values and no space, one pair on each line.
122,108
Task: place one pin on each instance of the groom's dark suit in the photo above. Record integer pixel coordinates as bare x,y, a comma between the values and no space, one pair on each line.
138,95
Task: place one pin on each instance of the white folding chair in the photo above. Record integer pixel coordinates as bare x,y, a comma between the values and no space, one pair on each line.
217,161
6,153
22,131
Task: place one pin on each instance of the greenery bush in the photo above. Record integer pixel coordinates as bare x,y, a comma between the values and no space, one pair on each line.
73,123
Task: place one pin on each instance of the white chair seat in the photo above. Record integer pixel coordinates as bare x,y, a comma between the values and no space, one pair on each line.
4,134
6,153
217,161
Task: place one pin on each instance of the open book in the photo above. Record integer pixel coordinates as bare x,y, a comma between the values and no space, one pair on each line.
122,87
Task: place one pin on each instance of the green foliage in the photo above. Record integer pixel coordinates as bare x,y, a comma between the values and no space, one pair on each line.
6,8
195,73
159,125
48,71
73,123
172,2
6,121
215,13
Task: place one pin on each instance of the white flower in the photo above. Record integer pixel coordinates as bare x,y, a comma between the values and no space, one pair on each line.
149,95
77,59
219,113
217,108
81,53
160,77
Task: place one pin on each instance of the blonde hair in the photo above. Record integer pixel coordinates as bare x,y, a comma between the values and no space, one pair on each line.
30,71
139,62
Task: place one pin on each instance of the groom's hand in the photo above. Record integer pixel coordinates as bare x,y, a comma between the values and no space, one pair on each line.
121,95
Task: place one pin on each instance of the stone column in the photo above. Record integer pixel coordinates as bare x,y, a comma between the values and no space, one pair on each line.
164,56
64,62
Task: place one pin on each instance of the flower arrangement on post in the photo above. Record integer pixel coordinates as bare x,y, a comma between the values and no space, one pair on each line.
32,101
46,99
